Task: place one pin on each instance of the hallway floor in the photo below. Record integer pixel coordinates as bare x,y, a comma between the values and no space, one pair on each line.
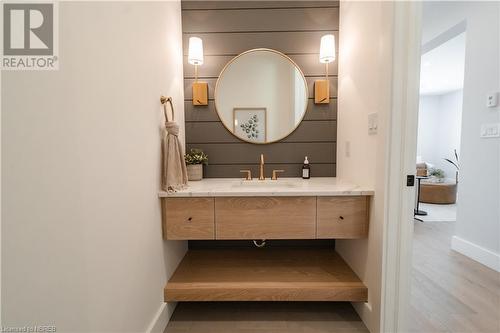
450,292
439,213
276,317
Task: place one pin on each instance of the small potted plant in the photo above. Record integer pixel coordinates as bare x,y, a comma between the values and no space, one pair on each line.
437,175
194,163
455,163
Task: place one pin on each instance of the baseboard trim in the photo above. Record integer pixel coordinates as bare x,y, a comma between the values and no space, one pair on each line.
162,317
476,252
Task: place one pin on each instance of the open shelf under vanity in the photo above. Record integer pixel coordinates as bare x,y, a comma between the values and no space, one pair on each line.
216,214
267,274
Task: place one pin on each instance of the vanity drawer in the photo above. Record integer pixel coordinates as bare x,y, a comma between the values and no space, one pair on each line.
265,217
188,218
342,217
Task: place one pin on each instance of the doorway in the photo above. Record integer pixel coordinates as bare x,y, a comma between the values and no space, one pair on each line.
452,289
459,264
439,130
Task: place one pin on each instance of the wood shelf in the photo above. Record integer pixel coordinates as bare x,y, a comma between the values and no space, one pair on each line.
264,275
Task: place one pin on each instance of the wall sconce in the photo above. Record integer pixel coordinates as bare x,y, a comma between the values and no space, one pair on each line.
326,56
195,57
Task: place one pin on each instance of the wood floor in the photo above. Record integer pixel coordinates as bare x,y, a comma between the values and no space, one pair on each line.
450,292
258,317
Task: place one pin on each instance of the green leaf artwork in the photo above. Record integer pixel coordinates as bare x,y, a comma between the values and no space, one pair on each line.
250,127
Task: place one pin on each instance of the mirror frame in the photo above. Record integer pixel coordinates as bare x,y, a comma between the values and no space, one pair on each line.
286,58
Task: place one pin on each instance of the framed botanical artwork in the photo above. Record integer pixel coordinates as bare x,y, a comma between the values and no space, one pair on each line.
250,124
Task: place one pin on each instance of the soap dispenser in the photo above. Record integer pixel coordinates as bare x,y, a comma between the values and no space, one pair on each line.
306,169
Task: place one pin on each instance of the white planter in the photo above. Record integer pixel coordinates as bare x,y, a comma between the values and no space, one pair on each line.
195,172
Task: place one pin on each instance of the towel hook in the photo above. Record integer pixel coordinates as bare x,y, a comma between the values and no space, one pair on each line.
164,100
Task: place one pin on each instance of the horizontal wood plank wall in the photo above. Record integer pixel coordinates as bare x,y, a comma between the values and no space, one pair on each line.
231,27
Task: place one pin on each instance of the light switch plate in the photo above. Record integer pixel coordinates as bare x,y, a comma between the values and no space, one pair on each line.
492,100
372,123
490,130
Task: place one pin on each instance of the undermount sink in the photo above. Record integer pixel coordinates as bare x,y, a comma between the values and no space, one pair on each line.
264,184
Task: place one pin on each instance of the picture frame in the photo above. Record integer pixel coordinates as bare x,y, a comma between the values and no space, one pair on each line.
250,124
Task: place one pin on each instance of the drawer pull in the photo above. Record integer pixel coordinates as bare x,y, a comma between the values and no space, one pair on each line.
341,217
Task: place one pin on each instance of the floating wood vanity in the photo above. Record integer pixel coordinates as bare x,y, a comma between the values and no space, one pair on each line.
265,218
228,209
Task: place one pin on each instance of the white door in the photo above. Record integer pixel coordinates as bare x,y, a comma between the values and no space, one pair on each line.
402,152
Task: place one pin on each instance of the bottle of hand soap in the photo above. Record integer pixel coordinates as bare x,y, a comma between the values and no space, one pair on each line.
306,169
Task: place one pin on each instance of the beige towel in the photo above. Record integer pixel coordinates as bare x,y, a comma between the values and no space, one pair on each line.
174,172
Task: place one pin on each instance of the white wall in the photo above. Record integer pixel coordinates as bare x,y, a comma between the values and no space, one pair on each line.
365,87
478,211
81,232
427,127
439,127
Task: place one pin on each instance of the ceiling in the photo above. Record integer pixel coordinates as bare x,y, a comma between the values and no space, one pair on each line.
442,68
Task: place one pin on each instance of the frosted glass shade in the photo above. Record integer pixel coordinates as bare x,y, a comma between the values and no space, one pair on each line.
195,55
327,49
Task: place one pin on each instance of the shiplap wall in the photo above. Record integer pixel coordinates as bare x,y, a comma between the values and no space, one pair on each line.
231,27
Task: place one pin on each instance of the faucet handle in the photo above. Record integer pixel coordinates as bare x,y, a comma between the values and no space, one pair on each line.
249,174
275,174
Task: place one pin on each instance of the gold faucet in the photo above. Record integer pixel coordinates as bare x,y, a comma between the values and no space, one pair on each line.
261,174
275,174
249,174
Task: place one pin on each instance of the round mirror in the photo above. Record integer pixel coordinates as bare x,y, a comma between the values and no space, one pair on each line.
261,96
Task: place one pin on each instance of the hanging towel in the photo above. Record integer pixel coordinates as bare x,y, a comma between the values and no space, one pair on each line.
174,172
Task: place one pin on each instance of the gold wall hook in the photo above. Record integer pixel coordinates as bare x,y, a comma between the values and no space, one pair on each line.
164,100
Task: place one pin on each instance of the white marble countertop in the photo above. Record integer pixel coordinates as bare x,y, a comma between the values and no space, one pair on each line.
236,187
